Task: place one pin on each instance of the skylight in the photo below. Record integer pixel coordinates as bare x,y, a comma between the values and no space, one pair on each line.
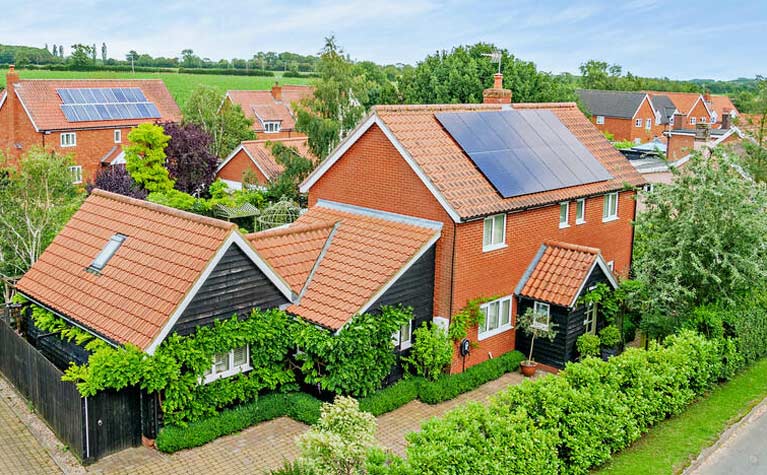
106,254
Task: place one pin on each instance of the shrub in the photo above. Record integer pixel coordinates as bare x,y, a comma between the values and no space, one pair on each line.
292,468
746,322
449,386
392,397
432,352
303,408
610,336
588,345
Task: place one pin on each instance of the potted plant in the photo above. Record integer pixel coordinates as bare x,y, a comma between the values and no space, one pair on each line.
588,345
609,337
534,326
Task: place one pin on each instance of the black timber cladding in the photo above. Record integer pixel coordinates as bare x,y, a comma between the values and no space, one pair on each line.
236,285
523,151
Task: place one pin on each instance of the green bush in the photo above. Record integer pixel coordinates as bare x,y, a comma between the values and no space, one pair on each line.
392,397
431,353
588,345
449,386
303,408
746,322
610,336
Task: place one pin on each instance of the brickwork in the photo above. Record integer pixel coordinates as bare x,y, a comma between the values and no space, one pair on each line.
626,129
235,168
680,145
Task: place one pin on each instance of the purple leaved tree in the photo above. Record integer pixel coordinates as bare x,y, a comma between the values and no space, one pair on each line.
116,179
190,162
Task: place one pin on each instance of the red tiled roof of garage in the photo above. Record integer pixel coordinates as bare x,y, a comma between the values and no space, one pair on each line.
559,273
264,104
133,297
460,182
262,154
43,103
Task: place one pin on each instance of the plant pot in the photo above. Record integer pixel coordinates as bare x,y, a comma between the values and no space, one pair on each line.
608,353
528,368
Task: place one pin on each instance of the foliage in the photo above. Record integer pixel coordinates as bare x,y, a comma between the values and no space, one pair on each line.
340,441
219,195
701,240
50,323
116,179
449,386
526,322
174,199
296,168
145,157
191,165
223,120
588,345
601,75
431,353
610,336
623,144
355,360
391,397
292,468
469,316
81,55
228,421
755,152
37,198
571,423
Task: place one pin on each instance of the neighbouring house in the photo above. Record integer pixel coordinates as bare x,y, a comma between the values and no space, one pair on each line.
256,158
626,115
272,110
722,109
89,118
503,179
693,108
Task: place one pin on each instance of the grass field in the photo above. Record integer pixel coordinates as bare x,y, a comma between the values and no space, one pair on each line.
673,444
179,85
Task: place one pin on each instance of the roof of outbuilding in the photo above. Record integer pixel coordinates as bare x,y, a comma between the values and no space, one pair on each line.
559,271
343,257
132,298
43,103
261,106
620,104
261,153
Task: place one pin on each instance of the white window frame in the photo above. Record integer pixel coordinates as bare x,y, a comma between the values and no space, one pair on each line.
77,174
68,139
648,124
118,136
580,211
494,233
671,120
483,330
541,309
608,214
600,120
649,188
638,123
693,120
272,127
703,120
611,265
566,206
212,375
396,337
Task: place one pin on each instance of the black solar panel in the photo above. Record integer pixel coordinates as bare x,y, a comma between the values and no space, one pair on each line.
107,103
523,151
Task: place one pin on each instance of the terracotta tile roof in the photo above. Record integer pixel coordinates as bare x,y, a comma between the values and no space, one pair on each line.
683,101
362,254
262,154
262,106
464,187
133,297
43,103
719,104
558,272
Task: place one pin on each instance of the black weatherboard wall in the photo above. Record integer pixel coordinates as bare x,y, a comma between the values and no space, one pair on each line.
236,285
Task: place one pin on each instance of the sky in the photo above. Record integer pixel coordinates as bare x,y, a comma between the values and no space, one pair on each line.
678,39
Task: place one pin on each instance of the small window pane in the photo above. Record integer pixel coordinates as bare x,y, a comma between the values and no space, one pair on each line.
498,229
580,210
493,320
483,325
221,362
505,312
240,356
405,332
488,234
563,208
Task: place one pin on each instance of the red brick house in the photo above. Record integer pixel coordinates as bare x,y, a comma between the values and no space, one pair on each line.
691,105
626,115
256,157
402,159
89,118
271,111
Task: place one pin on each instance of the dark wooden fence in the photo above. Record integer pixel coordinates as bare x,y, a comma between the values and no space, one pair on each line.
91,427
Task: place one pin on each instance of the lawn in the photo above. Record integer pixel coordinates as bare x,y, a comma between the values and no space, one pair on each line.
179,85
671,445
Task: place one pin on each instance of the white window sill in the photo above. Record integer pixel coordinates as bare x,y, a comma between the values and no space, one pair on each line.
68,146
494,247
563,225
497,331
611,218
580,221
225,374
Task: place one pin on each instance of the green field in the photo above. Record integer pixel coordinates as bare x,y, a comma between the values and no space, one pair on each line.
179,85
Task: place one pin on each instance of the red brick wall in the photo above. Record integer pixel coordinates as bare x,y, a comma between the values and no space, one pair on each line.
235,167
624,129
698,111
680,146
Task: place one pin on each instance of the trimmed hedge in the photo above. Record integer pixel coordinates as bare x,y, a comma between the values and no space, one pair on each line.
299,406
392,397
227,72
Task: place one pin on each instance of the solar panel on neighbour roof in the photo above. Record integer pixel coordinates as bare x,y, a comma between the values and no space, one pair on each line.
106,103
523,151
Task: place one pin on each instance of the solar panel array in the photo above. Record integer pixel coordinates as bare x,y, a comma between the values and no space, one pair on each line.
106,103
523,151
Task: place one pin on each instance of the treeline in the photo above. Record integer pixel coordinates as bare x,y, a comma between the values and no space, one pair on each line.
26,55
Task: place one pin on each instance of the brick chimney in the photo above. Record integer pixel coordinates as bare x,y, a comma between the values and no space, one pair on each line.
678,121
277,91
497,94
707,97
725,119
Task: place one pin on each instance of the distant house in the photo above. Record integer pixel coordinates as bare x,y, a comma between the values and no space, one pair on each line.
692,106
626,115
271,110
722,108
89,118
255,157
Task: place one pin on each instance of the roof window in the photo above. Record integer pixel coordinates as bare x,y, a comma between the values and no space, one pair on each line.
106,254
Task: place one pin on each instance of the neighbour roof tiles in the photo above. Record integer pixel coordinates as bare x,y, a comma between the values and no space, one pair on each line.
261,106
620,104
262,154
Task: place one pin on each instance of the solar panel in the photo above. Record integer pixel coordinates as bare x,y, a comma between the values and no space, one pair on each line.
106,103
523,151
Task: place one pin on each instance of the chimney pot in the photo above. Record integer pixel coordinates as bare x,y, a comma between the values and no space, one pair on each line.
497,81
11,68
707,97
277,91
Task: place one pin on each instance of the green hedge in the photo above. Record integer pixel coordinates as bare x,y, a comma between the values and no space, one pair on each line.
392,397
227,72
299,406
572,423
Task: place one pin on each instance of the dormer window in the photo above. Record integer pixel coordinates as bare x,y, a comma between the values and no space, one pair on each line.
271,127
107,252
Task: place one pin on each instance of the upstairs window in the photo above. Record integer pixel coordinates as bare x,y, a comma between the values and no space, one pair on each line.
648,124
228,364
107,252
118,136
68,139
638,123
271,127
497,318
541,315
580,211
403,338
703,120
610,207
76,172
692,121
564,214
494,233
600,120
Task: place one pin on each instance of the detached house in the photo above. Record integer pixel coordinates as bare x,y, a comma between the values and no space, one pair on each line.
88,118
693,108
508,183
255,157
271,111
626,115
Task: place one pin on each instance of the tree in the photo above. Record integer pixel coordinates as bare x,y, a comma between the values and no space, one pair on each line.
296,168
132,56
61,51
224,121
93,53
190,162
189,59
702,239
339,443
55,50
36,199
145,158
81,55
337,104
756,127
104,52
117,180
